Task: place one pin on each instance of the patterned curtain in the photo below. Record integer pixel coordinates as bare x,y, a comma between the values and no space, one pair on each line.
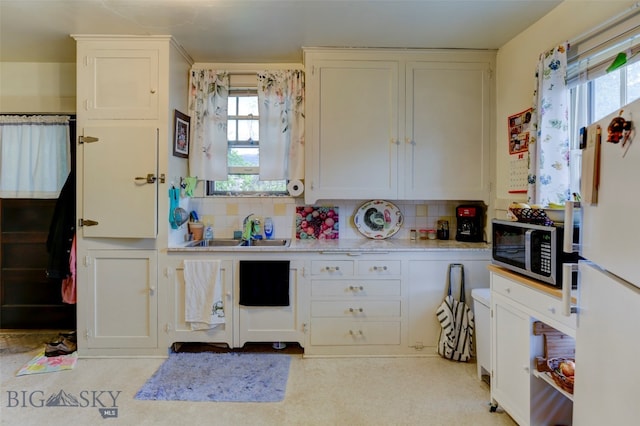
549,145
281,108
208,97
35,157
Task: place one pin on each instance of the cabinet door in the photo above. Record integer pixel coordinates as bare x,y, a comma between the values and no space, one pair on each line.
180,331
120,301
510,362
352,139
447,129
276,323
115,192
120,83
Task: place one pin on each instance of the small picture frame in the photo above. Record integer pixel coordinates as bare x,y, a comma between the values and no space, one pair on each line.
181,133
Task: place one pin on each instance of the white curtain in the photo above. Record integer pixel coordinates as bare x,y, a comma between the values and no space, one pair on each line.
208,97
549,147
34,156
281,109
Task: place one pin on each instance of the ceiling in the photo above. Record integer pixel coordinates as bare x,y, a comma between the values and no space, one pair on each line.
263,30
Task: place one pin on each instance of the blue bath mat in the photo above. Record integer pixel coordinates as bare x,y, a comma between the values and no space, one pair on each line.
219,377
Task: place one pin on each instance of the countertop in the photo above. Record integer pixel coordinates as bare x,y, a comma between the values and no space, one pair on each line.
347,245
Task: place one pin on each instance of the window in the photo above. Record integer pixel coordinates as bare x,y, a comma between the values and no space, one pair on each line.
243,159
596,93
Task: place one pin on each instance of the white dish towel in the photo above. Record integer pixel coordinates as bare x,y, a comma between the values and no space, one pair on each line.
204,308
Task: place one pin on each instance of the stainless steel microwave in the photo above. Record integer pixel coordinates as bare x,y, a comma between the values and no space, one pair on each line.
532,250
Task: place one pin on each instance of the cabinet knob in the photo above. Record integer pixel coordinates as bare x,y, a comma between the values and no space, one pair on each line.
153,91
551,309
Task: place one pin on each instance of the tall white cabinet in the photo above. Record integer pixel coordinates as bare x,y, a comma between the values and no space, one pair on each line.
127,89
404,124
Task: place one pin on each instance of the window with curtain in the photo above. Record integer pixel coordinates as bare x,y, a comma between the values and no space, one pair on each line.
262,114
35,157
603,75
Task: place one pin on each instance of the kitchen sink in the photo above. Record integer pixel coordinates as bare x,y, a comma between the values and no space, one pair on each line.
267,243
218,242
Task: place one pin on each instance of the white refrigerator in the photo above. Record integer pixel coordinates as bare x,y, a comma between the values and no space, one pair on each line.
607,381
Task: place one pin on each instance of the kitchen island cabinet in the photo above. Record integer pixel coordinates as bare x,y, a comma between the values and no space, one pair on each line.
514,386
390,124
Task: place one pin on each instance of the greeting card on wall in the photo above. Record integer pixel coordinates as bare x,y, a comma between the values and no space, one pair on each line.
519,128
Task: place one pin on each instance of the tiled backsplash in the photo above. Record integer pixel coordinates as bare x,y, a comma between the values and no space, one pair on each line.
226,214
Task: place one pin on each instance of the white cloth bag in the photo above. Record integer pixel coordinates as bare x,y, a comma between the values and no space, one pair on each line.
457,322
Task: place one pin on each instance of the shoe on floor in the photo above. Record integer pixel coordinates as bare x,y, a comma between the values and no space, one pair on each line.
63,347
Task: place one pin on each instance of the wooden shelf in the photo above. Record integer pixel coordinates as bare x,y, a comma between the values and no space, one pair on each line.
545,376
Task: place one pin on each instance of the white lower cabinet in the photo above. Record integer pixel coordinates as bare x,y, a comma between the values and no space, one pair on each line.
427,280
178,330
274,323
120,306
356,305
529,400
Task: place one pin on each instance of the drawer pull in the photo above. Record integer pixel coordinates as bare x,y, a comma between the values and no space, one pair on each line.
356,310
355,333
332,268
356,288
379,268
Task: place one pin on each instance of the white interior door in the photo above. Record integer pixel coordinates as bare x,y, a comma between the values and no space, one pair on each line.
116,193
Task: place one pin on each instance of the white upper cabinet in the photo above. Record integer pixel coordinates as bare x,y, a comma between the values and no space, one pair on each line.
447,131
120,82
398,124
352,129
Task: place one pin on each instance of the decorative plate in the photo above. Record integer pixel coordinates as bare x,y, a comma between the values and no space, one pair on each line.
378,219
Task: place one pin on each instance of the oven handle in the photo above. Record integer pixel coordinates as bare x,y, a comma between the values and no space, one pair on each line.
567,271
527,249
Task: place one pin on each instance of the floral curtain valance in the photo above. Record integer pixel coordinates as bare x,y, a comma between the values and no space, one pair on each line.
549,148
34,155
281,108
281,111
208,97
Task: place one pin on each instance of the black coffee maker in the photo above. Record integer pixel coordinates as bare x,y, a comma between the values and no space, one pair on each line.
470,219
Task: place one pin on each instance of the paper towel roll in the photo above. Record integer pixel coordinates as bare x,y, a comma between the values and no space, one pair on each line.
295,188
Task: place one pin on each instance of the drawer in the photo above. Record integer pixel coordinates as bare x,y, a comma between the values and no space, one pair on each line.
355,288
359,309
332,268
380,268
543,306
339,332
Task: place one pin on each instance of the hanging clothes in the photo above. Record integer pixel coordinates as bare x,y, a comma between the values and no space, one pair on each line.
62,230
69,283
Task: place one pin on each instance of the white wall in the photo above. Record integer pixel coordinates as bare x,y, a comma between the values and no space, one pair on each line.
516,62
29,87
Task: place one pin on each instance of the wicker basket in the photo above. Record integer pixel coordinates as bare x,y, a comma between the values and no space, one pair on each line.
564,382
